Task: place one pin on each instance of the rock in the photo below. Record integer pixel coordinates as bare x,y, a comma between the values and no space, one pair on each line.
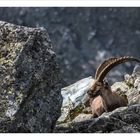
120,86
30,99
122,120
74,97
130,86
134,93
82,117
129,80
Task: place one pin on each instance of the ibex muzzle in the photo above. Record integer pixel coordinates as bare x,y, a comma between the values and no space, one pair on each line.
95,90
102,99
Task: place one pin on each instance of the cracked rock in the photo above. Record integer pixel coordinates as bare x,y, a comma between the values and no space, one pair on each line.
30,99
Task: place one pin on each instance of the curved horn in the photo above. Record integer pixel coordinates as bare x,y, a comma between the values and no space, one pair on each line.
114,63
103,65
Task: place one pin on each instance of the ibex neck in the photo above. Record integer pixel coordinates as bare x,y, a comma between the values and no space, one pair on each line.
106,93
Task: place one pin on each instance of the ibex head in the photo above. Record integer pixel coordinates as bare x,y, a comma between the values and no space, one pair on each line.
95,90
103,70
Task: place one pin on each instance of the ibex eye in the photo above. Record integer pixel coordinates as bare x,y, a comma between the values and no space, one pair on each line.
98,84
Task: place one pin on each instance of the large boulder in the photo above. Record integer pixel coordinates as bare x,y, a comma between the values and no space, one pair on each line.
30,98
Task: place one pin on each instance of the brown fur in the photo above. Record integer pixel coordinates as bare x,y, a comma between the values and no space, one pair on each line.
106,101
102,99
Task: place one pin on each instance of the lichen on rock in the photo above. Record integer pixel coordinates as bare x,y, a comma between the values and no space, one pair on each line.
30,99
74,99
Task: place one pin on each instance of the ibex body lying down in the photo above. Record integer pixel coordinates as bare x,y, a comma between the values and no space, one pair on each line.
102,99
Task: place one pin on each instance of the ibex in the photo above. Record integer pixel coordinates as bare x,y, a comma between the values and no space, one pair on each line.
102,99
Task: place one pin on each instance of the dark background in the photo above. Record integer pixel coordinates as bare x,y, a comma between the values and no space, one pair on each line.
84,37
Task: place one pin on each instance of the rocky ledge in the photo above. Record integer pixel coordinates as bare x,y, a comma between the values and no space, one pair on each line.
77,118
30,97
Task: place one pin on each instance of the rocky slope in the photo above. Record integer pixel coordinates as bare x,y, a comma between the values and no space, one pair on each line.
121,120
30,98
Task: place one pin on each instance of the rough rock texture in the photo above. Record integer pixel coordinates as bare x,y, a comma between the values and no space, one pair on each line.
74,97
30,98
121,120
130,86
84,37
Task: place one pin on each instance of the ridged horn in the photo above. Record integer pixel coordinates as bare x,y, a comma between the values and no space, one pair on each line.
103,65
114,63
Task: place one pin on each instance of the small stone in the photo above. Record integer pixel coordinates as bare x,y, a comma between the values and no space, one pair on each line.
82,117
129,80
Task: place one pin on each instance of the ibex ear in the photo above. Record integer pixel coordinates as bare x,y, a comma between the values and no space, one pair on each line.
90,93
105,83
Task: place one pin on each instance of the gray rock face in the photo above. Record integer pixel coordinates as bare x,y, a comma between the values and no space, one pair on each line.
122,120
133,93
30,99
74,96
